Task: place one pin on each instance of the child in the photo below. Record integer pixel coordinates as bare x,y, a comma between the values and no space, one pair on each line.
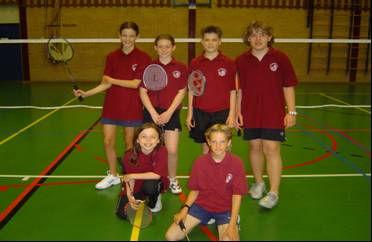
267,81
122,106
217,103
217,184
163,107
145,170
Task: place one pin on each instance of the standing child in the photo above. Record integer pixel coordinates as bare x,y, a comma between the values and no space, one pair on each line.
145,170
163,107
217,184
122,106
267,81
217,103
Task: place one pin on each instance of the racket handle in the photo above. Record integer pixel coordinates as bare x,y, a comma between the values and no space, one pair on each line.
182,225
75,87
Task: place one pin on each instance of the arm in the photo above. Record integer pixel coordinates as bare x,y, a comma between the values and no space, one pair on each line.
123,83
231,232
290,117
181,215
103,86
148,105
239,116
230,121
189,122
164,117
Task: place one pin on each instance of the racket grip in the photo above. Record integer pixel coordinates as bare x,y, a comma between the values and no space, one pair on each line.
182,225
75,87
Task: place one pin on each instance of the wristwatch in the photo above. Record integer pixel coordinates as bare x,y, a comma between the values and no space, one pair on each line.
185,206
294,113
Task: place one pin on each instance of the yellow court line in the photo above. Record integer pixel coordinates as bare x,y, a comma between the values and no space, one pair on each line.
340,101
137,223
33,123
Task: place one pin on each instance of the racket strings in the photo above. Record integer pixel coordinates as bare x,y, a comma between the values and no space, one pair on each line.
155,78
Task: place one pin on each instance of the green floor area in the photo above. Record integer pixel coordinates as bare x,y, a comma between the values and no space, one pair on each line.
325,190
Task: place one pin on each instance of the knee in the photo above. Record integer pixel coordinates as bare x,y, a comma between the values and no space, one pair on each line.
108,142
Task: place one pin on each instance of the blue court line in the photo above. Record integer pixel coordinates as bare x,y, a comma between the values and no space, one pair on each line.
346,161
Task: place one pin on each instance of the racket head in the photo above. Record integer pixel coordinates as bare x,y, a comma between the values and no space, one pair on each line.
155,77
196,82
140,218
59,50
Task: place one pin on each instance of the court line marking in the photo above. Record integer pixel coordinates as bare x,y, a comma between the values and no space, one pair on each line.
340,101
33,123
182,177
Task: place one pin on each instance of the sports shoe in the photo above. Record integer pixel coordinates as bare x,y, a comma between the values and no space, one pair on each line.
174,186
257,190
108,181
269,201
158,205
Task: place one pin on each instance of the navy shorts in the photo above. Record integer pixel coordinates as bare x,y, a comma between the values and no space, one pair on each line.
130,123
203,120
268,134
174,123
204,216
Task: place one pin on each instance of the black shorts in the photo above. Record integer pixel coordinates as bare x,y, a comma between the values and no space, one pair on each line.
261,133
203,120
174,123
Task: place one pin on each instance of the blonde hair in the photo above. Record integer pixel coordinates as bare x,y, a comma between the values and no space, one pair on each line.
222,128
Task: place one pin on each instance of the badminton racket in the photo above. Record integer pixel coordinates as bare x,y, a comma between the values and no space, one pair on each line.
155,78
61,51
141,217
183,228
196,82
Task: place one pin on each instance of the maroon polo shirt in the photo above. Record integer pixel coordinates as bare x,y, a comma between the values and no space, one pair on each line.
177,80
156,161
262,82
220,80
217,182
123,103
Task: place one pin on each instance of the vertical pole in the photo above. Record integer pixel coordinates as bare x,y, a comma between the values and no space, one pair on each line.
192,27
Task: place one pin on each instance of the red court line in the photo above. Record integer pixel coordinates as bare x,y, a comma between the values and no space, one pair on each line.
203,228
14,205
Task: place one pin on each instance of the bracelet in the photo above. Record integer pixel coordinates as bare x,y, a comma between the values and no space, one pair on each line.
294,113
185,206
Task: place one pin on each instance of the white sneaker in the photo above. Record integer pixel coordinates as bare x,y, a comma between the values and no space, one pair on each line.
269,201
174,186
108,181
257,190
158,205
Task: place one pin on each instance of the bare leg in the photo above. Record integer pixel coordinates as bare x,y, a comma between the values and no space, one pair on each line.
109,138
274,163
171,139
256,158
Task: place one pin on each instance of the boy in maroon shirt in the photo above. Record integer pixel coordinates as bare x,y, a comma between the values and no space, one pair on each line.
217,103
122,105
267,81
217,183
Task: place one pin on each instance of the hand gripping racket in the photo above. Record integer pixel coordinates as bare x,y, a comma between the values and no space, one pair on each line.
61,51
183,228
196,82
140,217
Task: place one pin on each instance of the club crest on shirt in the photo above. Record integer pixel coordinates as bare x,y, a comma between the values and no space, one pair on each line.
134,67
274,66
221,71
229,177
176,74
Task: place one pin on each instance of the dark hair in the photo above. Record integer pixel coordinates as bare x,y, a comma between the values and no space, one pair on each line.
129,25
136,146
166,37
258,26
212,29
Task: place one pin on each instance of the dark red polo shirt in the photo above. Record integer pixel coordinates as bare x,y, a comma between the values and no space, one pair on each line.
262,82
220,80
123,103
217,182
156,161
177,80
